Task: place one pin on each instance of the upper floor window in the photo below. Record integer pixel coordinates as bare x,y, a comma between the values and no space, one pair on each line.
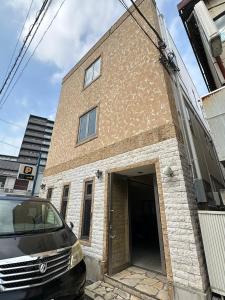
87,126
92,72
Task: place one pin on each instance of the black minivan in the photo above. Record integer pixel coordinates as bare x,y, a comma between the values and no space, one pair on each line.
40,257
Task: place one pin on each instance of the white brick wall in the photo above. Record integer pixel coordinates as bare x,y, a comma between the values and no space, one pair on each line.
181,211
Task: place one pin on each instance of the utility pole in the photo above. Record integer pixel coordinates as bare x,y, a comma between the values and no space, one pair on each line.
36,175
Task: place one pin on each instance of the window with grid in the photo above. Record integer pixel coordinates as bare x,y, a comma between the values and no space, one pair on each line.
87,210
64,203
87,125
92,72
2,181
49,194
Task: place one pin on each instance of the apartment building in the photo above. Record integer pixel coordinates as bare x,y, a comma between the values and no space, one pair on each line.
35,145
131,160
33,152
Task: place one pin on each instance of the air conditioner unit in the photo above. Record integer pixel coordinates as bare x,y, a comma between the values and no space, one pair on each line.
209,27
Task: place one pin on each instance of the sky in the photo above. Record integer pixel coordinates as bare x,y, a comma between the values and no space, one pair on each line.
77,27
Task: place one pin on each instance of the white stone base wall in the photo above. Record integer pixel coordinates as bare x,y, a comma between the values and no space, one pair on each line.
181,211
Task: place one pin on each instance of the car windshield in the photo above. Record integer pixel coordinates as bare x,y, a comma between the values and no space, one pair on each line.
28,216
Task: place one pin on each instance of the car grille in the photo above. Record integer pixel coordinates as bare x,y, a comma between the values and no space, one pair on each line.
28,271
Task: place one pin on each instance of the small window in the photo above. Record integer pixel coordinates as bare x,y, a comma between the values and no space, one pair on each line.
87,210
220,23
2,181
92,72
87,126
65,198
49,194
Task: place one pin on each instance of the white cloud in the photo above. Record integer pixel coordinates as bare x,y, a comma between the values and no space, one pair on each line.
77,27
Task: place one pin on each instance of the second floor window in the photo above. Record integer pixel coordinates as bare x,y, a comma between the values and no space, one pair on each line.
65,198
87,126
92,72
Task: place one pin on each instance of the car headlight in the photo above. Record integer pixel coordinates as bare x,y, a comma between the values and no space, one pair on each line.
76,254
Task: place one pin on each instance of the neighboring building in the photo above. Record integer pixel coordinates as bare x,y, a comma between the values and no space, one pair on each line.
33,152
8,157
9,183
128,147
205,25
35,145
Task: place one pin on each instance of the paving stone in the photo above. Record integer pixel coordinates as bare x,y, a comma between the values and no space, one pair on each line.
132,297
131,282
150,290
136,276
163,295
150,274
94,285
109,296
98,298
101,291
159,285
136,270
122,294
149,281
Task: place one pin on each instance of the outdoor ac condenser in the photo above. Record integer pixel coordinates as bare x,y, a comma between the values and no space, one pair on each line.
209,28
211,40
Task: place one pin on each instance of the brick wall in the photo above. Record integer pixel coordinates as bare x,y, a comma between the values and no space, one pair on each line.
182,243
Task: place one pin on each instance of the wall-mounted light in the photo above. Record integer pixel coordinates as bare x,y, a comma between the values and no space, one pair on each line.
168,172
43,186
99,174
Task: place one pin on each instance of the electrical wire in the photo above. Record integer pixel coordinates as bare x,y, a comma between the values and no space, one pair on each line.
138,23
24,44
8,144
32,54
11,123
146,20
14,51
14,74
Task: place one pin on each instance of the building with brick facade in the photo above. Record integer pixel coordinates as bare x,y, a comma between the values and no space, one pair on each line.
131,159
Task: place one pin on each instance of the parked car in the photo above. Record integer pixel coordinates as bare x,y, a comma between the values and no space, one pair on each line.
40,257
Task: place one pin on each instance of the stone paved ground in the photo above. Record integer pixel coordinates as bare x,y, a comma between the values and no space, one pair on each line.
132,280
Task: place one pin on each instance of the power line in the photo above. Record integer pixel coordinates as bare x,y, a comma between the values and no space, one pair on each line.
14,74
24,44
11,123
14,51
8,144
32,54
138,23
149,24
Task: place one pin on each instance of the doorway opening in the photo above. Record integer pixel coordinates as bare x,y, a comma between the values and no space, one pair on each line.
135,233
144,237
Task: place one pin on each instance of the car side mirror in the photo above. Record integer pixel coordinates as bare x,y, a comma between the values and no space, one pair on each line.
71,225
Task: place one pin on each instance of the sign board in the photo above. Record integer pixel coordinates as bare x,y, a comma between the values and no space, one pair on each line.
27,172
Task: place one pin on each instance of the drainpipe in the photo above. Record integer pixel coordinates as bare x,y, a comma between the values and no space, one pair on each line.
190,146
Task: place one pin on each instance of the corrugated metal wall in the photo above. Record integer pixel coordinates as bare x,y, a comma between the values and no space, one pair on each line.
213,233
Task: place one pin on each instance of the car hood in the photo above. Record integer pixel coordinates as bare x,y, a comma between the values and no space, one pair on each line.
15,246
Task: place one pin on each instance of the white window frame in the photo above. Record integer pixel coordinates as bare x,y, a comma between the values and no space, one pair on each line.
92,68
87,137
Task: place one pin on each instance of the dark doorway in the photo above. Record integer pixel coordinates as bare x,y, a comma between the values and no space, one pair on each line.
144,237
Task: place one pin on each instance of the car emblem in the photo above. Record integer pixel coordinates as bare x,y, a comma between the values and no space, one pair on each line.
42,268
